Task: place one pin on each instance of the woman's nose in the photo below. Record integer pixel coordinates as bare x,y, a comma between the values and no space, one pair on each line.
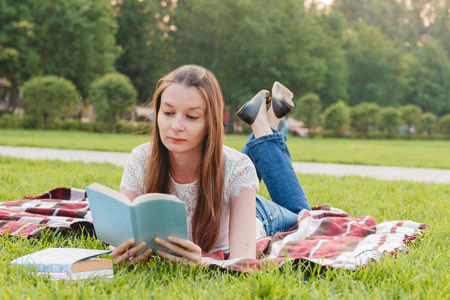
177,124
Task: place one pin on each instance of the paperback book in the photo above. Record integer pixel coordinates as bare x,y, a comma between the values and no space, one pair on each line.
68,263
117,219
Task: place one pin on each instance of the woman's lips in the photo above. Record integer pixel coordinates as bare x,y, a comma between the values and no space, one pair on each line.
176,140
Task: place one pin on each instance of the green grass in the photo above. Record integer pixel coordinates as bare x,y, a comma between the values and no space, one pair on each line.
72,139
405,153
421,274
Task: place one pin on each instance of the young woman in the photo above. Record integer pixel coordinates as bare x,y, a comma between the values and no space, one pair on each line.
186,158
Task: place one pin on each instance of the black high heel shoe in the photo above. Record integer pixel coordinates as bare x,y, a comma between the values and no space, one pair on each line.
251,108
282,102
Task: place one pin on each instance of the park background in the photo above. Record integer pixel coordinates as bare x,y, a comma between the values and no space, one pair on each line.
357,68
72,64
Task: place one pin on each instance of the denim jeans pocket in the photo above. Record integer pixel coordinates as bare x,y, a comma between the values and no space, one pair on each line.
266,209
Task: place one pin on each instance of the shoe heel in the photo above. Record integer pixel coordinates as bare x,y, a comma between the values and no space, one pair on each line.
281,100
249,111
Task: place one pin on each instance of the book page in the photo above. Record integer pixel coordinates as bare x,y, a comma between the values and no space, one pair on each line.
110,192
121,197
154,196
159,218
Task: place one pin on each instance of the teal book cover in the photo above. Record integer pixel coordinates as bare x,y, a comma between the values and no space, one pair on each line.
117,219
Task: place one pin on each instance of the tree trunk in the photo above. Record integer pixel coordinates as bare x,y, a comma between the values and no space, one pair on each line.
13,98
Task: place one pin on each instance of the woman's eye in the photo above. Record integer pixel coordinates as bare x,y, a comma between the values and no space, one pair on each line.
192,117
167,113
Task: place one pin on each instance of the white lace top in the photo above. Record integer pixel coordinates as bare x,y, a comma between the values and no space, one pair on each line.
240,173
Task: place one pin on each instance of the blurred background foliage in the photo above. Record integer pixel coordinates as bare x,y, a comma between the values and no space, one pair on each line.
377,53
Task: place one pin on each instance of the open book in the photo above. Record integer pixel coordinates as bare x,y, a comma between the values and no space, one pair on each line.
116,219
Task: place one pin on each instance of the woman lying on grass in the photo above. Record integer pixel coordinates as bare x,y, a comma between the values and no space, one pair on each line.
186,158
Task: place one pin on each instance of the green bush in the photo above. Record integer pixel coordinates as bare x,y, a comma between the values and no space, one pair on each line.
72,125
143,128
336,119
411,117
104,127
111,96
308,109
363,118
444,125
125,126
87,126
46,99
389,119
429,123
10,121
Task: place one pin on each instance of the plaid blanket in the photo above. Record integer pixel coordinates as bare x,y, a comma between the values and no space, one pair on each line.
61,208
326,236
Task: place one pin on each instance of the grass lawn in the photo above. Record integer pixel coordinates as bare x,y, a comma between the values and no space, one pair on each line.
421,274
405,153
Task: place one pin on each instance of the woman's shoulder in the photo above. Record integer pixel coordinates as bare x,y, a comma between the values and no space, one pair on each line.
236,162
143,149
240,172
141,153
233,155
133,173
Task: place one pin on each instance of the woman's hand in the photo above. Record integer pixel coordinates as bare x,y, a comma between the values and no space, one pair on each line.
126,253
190,253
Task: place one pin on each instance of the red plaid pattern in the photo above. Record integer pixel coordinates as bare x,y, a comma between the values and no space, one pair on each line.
59,208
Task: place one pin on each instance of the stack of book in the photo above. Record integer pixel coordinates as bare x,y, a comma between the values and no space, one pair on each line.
68,263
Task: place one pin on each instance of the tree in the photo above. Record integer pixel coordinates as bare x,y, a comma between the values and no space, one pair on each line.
337,118
48,98
430,79
420,33
71,39
440,28
111,95
308,109
329,48
75,39
333,23
403,21
363,117
429,123
144,42
389,119
375,67
18,59
250,44
411,117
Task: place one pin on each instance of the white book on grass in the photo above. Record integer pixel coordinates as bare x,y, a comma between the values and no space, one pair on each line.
65,260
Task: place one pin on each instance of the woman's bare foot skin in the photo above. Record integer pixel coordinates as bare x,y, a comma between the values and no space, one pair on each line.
261,124
272,118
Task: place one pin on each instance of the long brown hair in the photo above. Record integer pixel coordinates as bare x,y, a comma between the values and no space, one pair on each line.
207,214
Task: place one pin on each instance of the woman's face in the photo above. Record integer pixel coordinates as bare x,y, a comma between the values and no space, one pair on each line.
182,119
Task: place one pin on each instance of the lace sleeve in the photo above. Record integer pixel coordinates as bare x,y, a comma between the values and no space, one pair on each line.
134,171
240,173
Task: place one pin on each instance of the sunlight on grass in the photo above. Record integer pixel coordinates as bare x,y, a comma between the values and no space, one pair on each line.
406,153
423,273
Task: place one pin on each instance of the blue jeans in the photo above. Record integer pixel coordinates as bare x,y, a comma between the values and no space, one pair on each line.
273,164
